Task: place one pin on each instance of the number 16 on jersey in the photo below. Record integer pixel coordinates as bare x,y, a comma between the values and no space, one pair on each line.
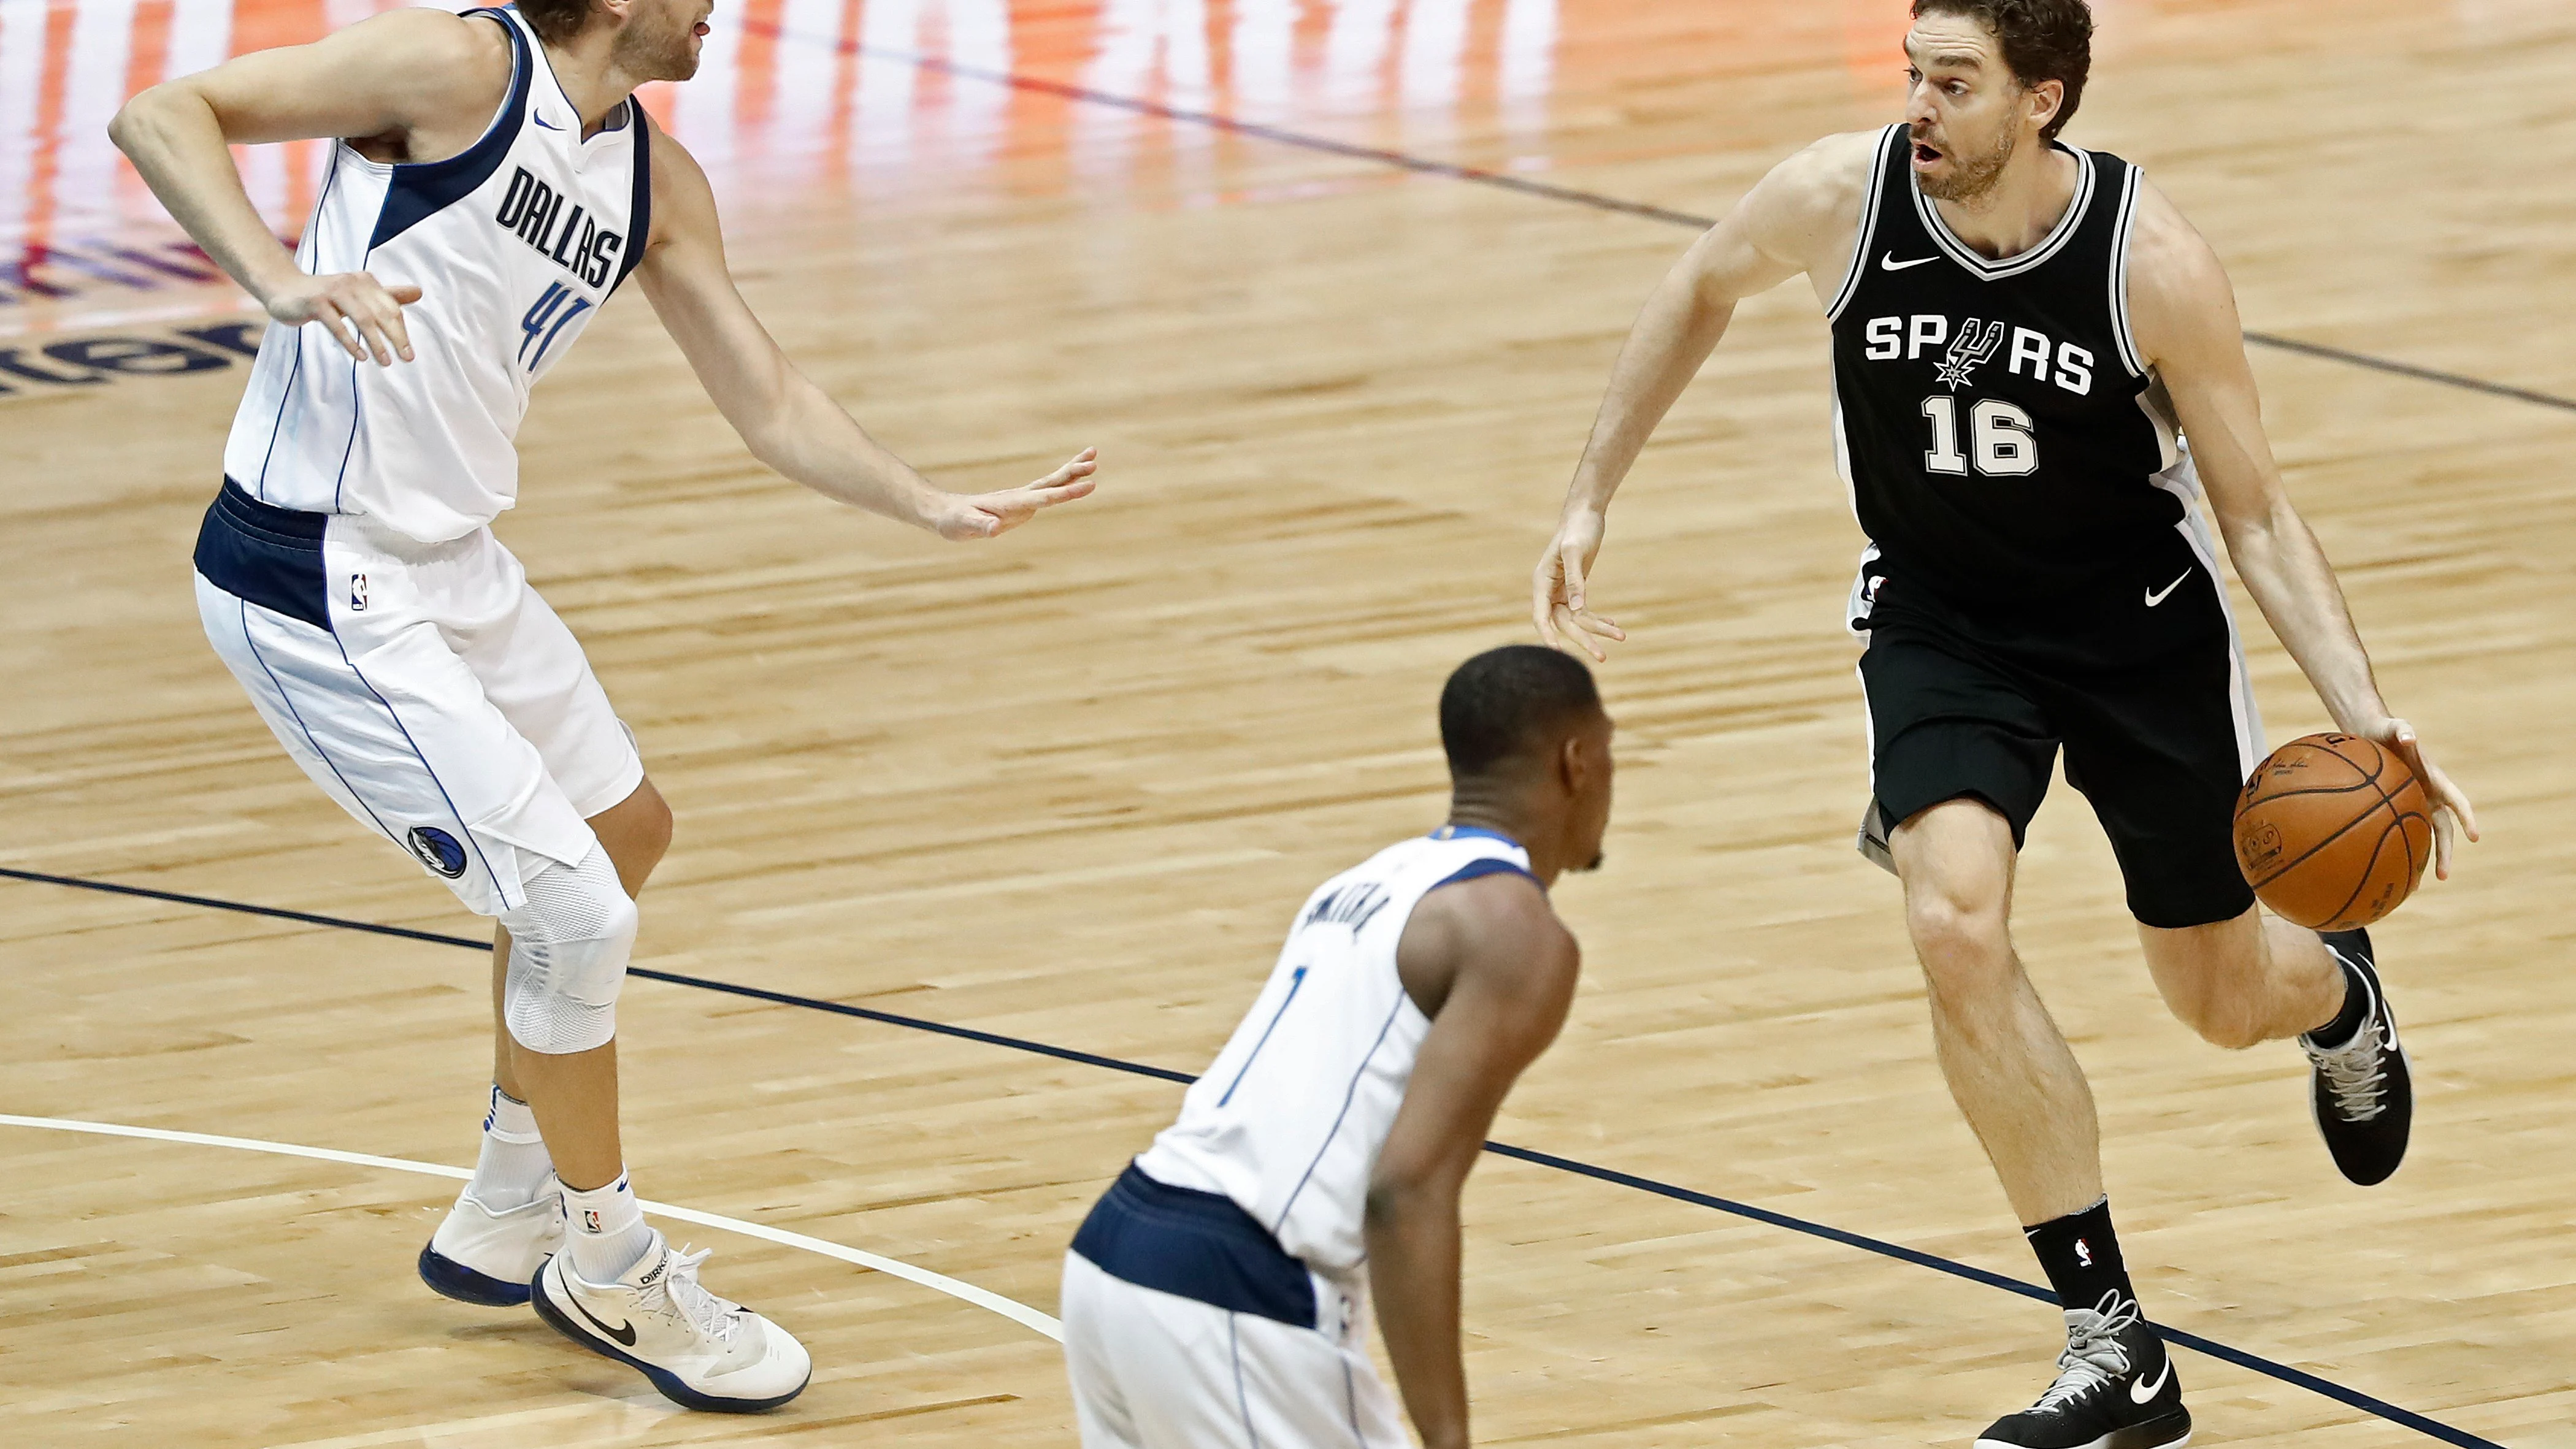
1998,430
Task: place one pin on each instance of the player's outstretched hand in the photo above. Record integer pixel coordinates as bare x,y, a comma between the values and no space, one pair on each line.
363,314
1557,603
2449,805
984,515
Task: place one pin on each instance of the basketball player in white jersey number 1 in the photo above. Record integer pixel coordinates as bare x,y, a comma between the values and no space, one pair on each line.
2026,336
1216,1295
493,183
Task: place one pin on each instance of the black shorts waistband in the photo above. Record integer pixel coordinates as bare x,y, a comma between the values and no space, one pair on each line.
1197,1245
266,555
287,523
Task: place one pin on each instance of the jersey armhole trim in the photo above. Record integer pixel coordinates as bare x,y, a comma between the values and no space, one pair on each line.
1868,228
420,190
2120,233
639,212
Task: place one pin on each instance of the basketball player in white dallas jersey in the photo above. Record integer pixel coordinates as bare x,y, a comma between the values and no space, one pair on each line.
493,183
1216,1294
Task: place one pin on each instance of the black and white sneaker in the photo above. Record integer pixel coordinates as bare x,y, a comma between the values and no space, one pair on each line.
2115,1389
701,1351
2364,1091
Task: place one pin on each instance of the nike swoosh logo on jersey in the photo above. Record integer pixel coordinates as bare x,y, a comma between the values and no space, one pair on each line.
540,118
1887,262
2142,1391
2158,596
624,1333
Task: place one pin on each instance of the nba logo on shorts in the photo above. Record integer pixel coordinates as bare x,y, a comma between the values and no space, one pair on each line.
357,593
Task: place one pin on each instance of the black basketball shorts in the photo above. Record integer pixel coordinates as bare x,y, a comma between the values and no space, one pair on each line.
2158,744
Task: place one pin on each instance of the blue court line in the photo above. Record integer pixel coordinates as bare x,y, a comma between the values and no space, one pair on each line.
1501,180
2255,1363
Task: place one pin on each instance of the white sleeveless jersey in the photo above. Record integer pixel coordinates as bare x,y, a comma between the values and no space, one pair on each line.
1289,1120
514,242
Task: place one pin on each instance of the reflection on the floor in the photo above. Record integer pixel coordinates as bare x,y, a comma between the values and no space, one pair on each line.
792,93
800,101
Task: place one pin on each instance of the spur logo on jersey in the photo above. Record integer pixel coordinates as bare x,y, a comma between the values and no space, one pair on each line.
1974,344
1969,351
535,212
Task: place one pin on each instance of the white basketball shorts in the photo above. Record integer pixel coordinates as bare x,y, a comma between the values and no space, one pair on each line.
1154,1370
424,686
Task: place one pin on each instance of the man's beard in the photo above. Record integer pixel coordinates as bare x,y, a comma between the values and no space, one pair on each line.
1969,180
653,52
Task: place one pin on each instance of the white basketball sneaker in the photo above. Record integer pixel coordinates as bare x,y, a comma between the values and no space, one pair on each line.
701,1351
487,1257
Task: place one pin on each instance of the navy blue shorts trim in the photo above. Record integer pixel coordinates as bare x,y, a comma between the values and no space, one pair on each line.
1197,1245
268,555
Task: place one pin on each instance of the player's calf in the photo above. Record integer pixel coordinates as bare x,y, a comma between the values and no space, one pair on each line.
2244,980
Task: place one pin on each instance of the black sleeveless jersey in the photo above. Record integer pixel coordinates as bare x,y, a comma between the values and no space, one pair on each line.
2002,440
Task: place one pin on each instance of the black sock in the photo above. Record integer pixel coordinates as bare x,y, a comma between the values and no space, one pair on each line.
2081,1254
2346,1025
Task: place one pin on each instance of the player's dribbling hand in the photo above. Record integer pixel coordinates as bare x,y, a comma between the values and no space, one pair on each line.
2449,805
1557,603
984,515
364,315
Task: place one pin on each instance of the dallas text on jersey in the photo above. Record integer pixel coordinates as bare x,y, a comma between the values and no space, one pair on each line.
532,209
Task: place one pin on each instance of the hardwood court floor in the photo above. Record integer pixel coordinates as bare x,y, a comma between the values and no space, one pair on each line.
1067,787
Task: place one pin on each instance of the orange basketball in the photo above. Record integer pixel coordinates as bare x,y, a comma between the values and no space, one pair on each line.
2332,831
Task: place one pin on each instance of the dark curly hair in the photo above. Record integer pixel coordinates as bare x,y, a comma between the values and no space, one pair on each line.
2043,40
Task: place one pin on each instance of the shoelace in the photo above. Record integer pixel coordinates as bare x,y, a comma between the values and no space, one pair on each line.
2356,1073
713,1316
2094,1354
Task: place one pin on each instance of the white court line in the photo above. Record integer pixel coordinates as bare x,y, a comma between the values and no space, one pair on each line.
967,1292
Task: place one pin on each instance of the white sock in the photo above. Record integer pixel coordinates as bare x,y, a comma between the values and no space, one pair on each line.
514,1163
604,1230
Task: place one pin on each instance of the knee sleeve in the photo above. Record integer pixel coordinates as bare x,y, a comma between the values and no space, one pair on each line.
568,948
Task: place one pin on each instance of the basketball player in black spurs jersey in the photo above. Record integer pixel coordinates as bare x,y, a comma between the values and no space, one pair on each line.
2021,330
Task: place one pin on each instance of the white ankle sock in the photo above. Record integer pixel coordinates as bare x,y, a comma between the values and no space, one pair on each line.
513,1164
604,1231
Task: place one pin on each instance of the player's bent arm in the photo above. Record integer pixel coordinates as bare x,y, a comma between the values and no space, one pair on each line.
1800,217
406,77
786,421
1500,971
2184,314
